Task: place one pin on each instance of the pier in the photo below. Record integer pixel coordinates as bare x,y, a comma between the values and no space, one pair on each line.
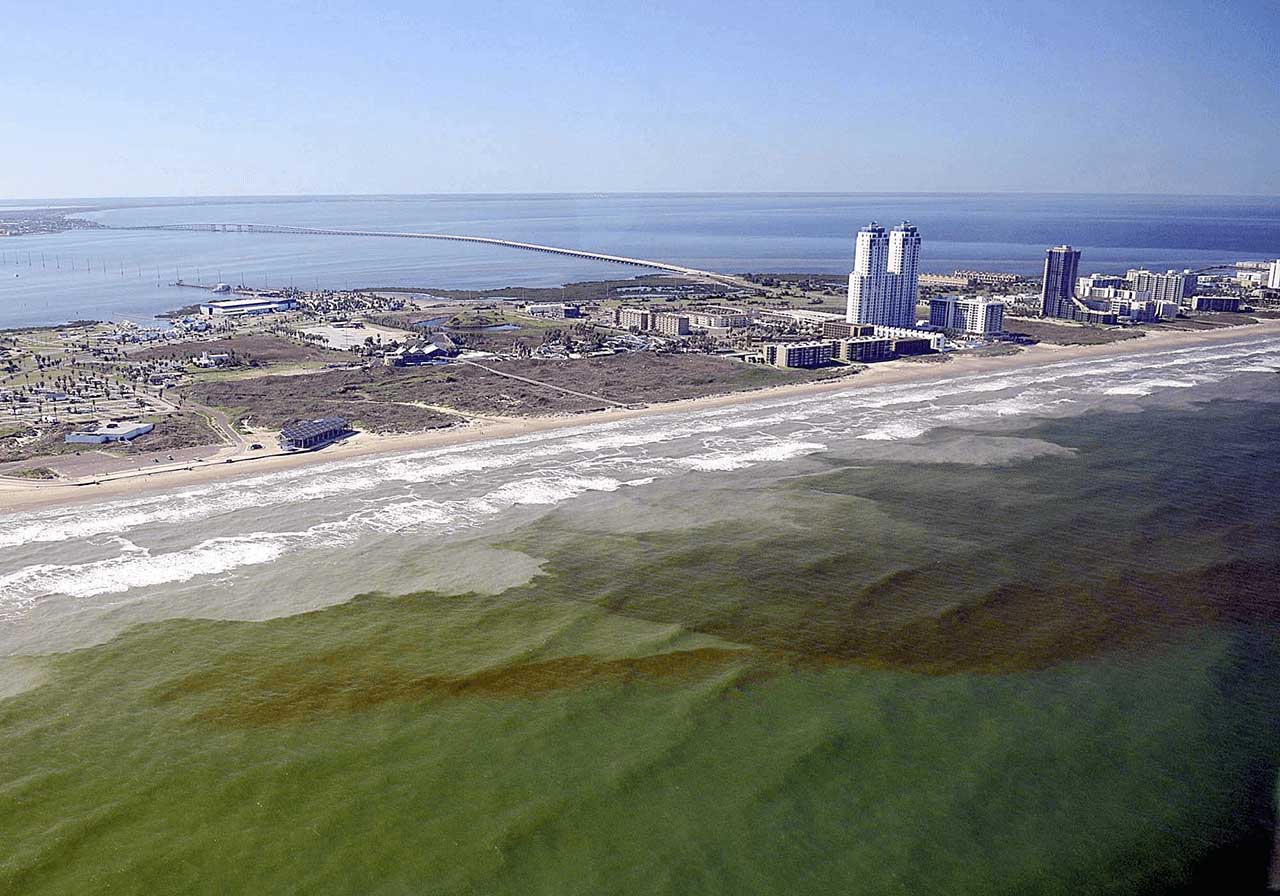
694,273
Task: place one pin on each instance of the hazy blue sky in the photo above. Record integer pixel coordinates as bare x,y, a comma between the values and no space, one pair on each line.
258,97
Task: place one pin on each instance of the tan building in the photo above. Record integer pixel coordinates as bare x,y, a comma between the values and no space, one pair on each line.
971,315
635,318
668,324
862,349
717,318
840,329
949,281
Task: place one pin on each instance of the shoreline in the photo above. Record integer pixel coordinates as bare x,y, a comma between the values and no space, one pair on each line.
17,495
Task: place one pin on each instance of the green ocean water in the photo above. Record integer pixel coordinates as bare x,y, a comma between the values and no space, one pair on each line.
1054,675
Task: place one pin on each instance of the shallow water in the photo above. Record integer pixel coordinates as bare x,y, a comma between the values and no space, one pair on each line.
1001,633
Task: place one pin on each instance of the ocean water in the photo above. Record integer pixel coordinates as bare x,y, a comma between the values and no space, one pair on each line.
1001,633
117,274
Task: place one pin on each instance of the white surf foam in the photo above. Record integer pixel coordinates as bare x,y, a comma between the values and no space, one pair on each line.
1146,387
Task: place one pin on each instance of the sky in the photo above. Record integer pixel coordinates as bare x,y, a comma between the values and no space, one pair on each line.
211,98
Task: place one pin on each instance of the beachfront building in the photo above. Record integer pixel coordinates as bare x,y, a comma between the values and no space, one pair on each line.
1273,275
904,271
1100,286
555,310
242,307
842,329
797,354
638,319
306,434
946,281
885,280
970,315
109,432
869,292
1057,292
717,318
799,317
910,341
1215,303
862,349
667,324
1171,286
989,278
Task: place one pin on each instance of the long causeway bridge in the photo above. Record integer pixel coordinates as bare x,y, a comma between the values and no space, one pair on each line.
457,238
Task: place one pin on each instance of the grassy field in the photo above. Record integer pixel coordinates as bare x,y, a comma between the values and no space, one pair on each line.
249,349
1067,334
585,291
172,431
402,400
1215,321
40,473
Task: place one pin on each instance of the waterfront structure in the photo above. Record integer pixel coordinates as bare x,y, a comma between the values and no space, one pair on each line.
1171,286
803,317
669,324
717,317
1058,290
989,278
414,354
1057,293
870,296
797,354
967,278
864,349
1253,273
1215,303
241,307
557,310
1140,295
842,329
885,280
1100,286
1273,276
209,361
912,345
634,318
1137,310
971,315
109,432
307,434
949,281
915,341
904,274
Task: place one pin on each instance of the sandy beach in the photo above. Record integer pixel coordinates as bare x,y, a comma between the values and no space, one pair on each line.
17,495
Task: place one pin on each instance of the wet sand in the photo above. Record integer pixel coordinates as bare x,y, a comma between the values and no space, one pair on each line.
26,495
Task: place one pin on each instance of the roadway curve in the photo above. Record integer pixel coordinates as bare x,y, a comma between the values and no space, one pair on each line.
695,273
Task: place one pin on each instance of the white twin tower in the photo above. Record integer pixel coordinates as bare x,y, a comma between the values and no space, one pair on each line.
886,275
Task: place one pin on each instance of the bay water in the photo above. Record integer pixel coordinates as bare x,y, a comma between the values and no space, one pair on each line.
104,274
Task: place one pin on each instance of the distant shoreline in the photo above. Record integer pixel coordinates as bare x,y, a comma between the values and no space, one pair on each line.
16,495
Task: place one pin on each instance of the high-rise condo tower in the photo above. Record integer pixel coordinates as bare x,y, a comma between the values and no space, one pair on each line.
885,278
1057,295
904,268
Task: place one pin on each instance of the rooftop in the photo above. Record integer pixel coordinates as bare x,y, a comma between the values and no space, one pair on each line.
308,429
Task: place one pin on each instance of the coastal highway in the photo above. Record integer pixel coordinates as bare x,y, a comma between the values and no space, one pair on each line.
694,273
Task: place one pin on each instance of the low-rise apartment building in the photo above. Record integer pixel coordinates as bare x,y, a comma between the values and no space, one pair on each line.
797,354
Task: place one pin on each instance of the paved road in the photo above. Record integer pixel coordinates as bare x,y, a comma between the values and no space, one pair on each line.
695,273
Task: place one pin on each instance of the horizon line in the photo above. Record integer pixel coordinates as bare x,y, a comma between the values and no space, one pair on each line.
606,193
